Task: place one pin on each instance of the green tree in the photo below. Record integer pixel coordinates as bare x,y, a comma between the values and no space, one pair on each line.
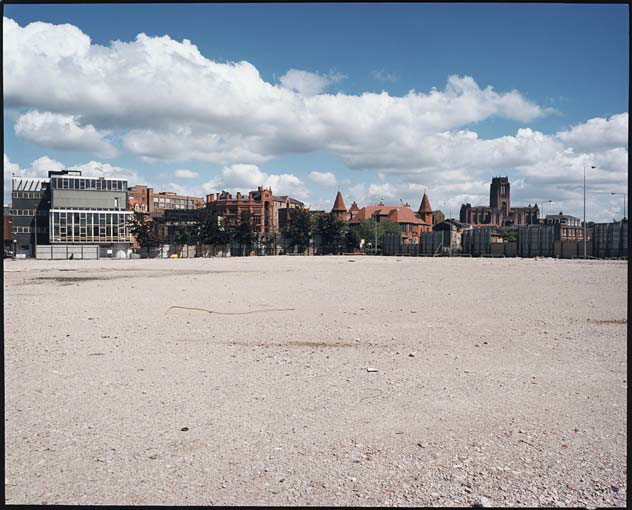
145,230
182,234
367,230
299,229
352,239
332,232
244,232
212,229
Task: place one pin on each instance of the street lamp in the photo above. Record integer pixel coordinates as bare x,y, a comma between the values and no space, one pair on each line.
585,256
544,202
619,193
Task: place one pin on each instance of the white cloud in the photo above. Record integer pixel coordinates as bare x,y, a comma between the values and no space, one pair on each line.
63,132
172,103
245,178
382,75
307,83
327,179
598,133
183,173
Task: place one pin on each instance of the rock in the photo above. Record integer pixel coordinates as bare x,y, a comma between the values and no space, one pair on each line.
484,502
184,429
411,354
371,369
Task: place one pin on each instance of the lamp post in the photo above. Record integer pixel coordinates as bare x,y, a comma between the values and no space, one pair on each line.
585,255
619,193
544,202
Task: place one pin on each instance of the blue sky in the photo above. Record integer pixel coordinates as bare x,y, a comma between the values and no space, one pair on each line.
340,112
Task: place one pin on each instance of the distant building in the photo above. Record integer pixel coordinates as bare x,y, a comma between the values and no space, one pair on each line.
353,210
263,207
89,210
499,213
144,199
7,222
410,224
339,208
562,219
30,205
453,233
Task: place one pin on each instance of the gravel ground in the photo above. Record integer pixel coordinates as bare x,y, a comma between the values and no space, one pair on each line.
323,381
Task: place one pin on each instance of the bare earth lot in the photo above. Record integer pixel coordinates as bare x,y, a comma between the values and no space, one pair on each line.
515,393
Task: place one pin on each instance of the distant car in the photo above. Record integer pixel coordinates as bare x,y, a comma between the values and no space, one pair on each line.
8,254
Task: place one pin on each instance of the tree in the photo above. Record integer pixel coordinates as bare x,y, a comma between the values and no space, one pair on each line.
352,239
332,231
367,230
181,235
212,229
145,230
299,229
244,231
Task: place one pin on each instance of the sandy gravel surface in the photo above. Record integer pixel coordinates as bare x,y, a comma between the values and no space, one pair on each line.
499,382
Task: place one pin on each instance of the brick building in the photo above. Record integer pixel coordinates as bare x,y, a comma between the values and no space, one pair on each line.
269,212
499,213
339,208
411,225
144,199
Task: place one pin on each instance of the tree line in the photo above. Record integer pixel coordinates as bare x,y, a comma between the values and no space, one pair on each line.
334,235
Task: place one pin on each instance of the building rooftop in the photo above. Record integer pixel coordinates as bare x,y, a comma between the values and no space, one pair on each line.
339,204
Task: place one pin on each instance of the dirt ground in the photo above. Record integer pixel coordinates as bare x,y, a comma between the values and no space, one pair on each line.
316,381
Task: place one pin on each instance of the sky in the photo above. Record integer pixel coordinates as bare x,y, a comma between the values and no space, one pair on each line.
380,101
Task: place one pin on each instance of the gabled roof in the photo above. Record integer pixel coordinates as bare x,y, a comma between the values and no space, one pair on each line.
404,215
425,205
395,213
339,204
354,207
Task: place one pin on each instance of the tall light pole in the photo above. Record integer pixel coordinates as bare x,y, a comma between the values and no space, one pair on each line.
545,202
585,256
619,193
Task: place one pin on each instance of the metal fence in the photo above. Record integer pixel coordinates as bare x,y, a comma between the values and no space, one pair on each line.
66,251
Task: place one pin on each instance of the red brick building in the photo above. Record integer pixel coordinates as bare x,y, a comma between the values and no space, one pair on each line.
144,199
411,225
339,208
269,212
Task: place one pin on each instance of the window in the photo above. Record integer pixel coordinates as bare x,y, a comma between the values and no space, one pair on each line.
116,203
82,184
65,183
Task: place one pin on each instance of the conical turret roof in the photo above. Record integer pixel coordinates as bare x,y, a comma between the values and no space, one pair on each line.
425,205
339,204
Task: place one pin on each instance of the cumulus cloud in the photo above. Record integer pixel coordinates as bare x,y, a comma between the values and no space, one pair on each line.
245,178
382,75
183,173
598,133
307,83
63,132
327,179
172,103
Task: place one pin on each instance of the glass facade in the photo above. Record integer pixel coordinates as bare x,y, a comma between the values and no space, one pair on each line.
80,183
85,226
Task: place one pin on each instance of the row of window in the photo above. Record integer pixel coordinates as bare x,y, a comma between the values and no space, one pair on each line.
28,230
27,212
27,194
88,184
78,226
172,203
